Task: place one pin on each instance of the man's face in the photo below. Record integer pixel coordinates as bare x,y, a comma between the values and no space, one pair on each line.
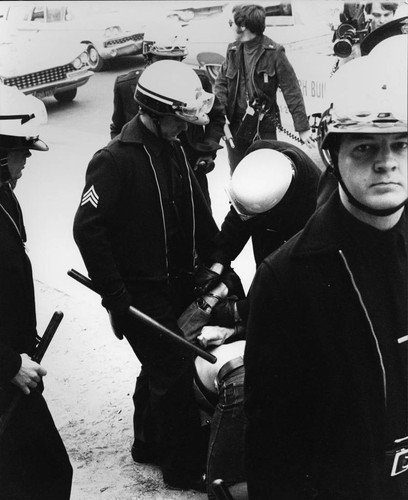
171,127
16,161
374,168
380,16
238,31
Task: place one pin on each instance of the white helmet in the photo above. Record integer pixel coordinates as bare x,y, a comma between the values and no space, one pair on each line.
173,88
165,39
260,181
21,116
367,95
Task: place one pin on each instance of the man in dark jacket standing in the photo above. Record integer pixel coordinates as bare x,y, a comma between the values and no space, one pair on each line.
140,226
34,464
326,353
254,68
165,41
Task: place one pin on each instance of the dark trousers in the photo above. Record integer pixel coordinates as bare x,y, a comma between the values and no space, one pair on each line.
236,154
34,464
165,409
226,447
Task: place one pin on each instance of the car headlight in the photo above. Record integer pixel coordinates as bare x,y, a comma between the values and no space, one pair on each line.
112,31
84,57
77,63
81,60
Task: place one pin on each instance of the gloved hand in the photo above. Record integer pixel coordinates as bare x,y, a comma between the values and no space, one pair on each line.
233,282
117,304
223,313
118,322
204,164
205,280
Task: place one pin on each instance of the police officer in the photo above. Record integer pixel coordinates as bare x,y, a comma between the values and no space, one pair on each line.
140,227
164,40
272,193
34,464
326,352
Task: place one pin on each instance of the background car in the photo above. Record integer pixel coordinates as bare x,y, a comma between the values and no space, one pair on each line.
103,27
32,64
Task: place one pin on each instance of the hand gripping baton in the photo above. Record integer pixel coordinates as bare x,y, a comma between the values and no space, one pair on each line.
39,352
147,320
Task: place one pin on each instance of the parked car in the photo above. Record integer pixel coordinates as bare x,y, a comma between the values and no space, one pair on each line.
105,30
34,65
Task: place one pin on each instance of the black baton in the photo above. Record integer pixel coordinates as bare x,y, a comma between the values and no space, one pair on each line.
147,320
39,352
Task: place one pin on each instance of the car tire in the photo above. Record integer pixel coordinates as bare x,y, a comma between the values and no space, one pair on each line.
67,96
96,62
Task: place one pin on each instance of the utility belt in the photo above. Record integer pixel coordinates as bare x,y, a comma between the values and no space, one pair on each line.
227,369
396,460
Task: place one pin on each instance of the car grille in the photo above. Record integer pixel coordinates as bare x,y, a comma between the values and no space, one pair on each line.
40,78
117,41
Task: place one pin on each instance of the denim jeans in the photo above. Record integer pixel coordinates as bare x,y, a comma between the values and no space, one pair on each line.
226,448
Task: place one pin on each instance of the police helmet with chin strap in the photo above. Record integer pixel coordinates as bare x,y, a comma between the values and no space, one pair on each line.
368,95
20,119
173,88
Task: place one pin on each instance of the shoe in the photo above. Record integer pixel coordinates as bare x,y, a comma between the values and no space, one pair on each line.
144,453
186,483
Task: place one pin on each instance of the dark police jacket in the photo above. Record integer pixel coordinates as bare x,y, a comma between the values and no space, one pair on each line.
17,308
120,225
272,71
270,230
315,382
197,141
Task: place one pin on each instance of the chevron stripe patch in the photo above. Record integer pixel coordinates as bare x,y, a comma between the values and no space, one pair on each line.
90,197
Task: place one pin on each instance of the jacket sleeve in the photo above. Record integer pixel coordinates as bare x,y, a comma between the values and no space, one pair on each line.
93,224
274,392
118,116
232,238
288,82
221,86
10,363
215,129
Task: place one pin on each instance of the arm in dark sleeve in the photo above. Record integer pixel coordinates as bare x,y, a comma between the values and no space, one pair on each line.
215,129
93,222
10,363
232,238
288,82
274,360
221,87
118,116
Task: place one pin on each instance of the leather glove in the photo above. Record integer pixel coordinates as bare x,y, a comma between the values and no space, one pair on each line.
117,305
205,280
118,322
233,282
223,313
204,164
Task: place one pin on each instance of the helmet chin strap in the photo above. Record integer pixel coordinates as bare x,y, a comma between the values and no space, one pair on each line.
5,175
379,212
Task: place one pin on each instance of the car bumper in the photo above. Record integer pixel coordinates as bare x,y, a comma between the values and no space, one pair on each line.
131,47
73,80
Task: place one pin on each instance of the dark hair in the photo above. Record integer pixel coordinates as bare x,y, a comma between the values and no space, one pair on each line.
392,6
251,16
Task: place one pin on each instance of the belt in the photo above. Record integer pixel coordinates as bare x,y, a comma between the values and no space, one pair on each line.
229,367
397,460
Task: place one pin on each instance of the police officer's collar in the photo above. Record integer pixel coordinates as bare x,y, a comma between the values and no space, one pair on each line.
135,132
